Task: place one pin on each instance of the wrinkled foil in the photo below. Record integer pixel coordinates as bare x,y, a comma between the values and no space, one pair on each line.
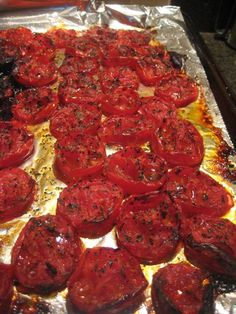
169,28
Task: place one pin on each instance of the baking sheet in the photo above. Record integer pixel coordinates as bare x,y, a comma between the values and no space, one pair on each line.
168,25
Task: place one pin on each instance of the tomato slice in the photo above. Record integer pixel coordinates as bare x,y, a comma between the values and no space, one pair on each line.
136,38
83,118
122,102
101,267
182,288
91,206
17,192
149,228
70,95
136,171
179,143
34,106
211,245
179,89
112,78
157,109
82,46
16,144
151,71
197,193
18,36
78,157
61,37
45,254
121,54
35,71
39,45
6,287
79,65
130,130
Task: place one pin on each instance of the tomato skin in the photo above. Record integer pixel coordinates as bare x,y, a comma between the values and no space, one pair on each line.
78,119
210,244
131,130
136,171
101,267
133,37
151,71
182,288
17,192
35,71
6,287
70,95
123,102
78,157
112,78
17,36
149,228
179,89
91,206
157,109
34,106
197,193
45,254
179,143
16,144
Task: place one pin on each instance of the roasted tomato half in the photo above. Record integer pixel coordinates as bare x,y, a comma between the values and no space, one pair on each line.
149,228
197,193
136,171
45,254
182,288
91,206
113,269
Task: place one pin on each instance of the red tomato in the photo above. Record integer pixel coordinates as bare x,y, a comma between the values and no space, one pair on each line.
122,102
70,95
157,109
112,78
16,144
34,106
106,281
83,47
35,71
78,81
197,193
45,254
181,288
179,89
151,71
40,45
149,228
91,206
78,157
83,118
210,244
84,65
18,36
154,52
136,171
61,37
17,191
131,130
121,54
179,143
6,287
136,38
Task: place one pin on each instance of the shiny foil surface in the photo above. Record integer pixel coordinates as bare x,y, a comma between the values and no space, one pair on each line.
168,27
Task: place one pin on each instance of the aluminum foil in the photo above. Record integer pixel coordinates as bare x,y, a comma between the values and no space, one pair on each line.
169,28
